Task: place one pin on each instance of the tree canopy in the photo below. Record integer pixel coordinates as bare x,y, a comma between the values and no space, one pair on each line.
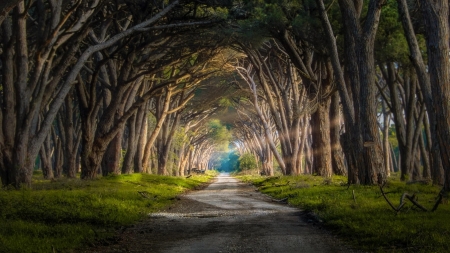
311,86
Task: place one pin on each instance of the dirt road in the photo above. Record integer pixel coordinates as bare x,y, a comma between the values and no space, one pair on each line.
227,216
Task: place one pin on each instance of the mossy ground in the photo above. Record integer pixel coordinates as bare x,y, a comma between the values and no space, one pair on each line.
366,220
67,213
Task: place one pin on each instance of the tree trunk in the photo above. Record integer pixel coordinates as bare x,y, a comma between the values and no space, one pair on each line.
59,160
373,171
131,146
141,130
436,17
425,84
426,173
46,153
337,154
71,143
111,159
321,144
166,141
386,147
161,114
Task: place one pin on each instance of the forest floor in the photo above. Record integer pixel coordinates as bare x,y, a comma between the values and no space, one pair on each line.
226,216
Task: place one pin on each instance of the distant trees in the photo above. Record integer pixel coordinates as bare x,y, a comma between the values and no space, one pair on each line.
285,99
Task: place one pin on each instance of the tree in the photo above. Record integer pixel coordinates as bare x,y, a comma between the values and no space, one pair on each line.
436,19
247,162
425,85
37,83
363,145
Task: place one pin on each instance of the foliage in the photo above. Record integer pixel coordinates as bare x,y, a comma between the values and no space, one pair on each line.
366,220
67,213
390,42
219,134
247,162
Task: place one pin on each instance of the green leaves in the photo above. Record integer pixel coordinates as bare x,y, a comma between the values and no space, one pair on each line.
247,162
219,134
390,43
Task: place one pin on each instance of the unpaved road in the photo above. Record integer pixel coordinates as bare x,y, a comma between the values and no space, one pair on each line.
227,216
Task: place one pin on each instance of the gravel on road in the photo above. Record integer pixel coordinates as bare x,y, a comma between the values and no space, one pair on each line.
227,216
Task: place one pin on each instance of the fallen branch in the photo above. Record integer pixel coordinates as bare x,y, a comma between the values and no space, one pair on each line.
387,200
411,198
439,200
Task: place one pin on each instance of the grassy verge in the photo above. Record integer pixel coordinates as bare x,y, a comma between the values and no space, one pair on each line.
61,215
366,220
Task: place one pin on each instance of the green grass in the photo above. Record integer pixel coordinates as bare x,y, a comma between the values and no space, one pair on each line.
368,223
64,214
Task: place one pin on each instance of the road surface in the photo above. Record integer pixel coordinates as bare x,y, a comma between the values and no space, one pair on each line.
227,216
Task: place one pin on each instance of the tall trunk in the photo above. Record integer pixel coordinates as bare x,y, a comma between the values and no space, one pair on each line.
22,158
426,173
402,121
337,155
181,159
394,159
308,158
425,86
165,146
351,139
321,147
71,144
141,130
436,17
161,117
59,159
153,169
386,147
269,163
373,172
304,138
46,152
9,104
131,146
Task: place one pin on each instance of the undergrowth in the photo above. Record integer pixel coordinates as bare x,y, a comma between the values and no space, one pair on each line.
361,215
64,214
